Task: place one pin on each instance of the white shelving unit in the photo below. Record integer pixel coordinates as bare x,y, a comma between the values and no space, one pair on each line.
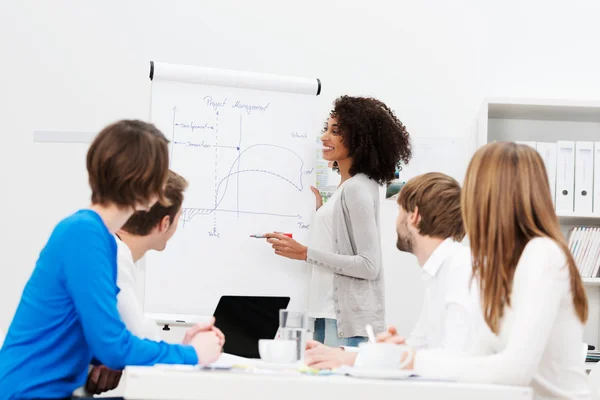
547,120
579,217
591,281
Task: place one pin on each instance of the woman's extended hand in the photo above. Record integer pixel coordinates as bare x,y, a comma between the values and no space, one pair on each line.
287,247
318,196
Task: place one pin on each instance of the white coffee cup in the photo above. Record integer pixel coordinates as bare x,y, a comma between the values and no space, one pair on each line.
382,356
277,351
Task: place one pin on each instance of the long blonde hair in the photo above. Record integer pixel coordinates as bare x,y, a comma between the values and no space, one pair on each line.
506,202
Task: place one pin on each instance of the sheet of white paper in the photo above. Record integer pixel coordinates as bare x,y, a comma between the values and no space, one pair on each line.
228,360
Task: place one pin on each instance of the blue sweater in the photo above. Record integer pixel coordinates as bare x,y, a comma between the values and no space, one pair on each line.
68,314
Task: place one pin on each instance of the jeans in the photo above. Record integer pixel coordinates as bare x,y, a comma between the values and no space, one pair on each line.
326,332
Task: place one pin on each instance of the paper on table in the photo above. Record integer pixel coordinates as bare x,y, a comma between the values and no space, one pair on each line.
225,361
229,360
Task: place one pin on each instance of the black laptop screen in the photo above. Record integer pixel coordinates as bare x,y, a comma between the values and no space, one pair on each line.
246,319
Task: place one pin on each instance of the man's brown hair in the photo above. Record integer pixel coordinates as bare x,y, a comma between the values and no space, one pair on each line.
142,222
127,164
438,198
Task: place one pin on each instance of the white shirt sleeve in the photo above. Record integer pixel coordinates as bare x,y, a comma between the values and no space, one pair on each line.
461,309
540,280
418,336
130,309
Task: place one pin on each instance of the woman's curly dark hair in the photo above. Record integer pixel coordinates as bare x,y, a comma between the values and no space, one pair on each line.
375,138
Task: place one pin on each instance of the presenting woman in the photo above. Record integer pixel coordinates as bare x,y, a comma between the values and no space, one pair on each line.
366,142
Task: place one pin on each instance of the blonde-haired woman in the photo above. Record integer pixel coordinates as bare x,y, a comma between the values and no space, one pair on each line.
533,302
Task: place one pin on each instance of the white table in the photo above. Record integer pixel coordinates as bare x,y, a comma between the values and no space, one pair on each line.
148,383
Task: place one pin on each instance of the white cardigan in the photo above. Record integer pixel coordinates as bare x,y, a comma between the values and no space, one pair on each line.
540,337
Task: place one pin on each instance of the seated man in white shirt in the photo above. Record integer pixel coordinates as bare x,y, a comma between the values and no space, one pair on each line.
430,226
145,231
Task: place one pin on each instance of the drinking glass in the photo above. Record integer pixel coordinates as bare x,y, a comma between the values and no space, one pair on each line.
293,325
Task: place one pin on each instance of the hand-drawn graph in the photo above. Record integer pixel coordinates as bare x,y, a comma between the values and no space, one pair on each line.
236,158
223,185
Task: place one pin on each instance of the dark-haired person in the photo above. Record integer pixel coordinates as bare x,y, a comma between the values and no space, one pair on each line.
68,313
366,141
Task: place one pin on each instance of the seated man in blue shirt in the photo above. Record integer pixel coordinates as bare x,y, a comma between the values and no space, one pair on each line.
68,310
144,231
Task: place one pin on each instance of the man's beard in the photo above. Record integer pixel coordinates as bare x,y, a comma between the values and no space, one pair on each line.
405,243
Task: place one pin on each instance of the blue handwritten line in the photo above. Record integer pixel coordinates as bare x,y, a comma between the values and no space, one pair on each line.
206,211
216,164
194,127
250,107
264,172
237,192
215,104
262,145
203,145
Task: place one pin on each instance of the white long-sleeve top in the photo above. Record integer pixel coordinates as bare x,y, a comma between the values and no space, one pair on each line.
130,308
539,342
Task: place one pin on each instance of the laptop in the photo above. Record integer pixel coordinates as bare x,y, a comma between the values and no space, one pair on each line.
246,319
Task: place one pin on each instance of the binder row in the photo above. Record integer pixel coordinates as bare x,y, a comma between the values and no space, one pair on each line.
584,244
574,175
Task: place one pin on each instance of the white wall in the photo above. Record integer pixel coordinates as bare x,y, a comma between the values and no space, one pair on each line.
80,65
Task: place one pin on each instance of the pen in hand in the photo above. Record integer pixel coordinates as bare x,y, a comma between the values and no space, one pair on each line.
261,236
